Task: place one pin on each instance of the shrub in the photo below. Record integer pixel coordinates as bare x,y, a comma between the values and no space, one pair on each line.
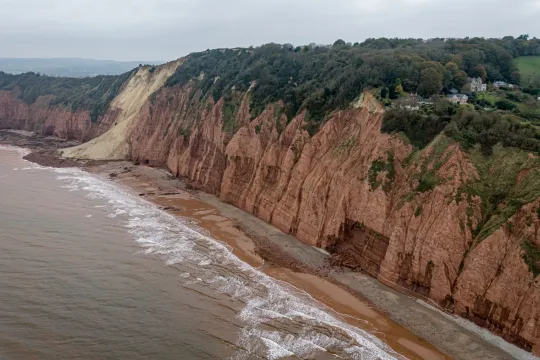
531,256
532,91
428,182
419,128
504,104
487,129
380,165
514,97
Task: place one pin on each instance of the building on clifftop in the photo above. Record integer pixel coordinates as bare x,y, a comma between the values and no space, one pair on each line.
477,85
459,99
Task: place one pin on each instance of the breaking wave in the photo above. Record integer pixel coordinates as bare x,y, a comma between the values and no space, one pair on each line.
280,321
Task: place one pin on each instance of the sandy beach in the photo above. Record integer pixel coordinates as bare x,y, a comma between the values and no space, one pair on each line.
409,326
306,268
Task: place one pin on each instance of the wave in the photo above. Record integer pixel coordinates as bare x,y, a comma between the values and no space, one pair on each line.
19,150
280,320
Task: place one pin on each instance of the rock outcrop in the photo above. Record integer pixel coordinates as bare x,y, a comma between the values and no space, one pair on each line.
364,195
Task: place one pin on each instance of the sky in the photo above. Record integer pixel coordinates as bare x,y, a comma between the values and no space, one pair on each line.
169,29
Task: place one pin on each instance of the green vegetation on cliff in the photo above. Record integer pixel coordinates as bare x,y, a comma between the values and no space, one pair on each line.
93,93
381,165
321,79
499,146
507,179
467,126
531,257
419,128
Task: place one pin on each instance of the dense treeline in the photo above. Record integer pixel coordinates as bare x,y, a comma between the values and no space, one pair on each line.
419,128
325,78
92,93
467,126
489,129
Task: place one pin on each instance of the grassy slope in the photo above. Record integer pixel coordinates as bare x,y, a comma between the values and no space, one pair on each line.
509,179
528,65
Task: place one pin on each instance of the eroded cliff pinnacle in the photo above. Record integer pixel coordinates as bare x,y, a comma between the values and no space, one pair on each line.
404,216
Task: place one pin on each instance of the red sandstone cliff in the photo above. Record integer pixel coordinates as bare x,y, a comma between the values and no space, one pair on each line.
50,120
323,190
319,189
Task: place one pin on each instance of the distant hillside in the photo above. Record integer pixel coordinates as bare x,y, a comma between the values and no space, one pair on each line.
69,67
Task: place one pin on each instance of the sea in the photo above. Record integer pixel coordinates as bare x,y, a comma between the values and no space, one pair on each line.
89,270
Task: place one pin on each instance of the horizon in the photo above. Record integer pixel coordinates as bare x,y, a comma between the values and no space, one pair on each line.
81,58
162,61
169,29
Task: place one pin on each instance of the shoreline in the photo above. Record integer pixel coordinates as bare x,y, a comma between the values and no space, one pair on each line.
401,321
307,271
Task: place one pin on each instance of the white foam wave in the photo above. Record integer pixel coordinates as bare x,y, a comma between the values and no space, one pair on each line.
275,351
20,150
267,302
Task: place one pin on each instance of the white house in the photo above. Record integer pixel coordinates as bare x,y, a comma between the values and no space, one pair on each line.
458,99
477,85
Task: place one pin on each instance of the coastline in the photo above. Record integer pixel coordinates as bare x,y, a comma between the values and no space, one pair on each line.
407,324
402,321
297,264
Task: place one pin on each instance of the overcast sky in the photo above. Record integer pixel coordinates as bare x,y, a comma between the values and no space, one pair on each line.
168,29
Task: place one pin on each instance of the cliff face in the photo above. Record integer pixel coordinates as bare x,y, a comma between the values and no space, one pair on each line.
377,205
112,145
355,191
50,120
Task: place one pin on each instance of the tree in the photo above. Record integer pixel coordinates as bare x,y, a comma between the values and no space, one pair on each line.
472,58
504,104
533,81
515,77
384,93
339,42
430,82
452,67
392,92
479,71
460,79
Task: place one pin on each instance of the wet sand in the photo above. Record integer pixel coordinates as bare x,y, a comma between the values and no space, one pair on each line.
170,194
